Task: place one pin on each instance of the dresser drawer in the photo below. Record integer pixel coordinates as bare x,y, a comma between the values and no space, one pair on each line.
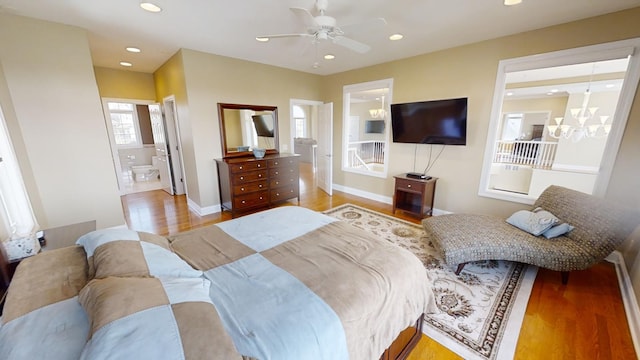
286,171
282,180
284,193
283,162
248,176
251,199
248,187
248,166
409,185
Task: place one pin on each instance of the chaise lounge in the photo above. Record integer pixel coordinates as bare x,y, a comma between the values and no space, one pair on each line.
599,227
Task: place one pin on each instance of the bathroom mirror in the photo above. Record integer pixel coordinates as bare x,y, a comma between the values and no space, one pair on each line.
245,127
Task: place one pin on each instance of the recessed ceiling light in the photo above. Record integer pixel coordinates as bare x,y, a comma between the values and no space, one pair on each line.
396,37
126,63
133,49
512,2
609,86
329,57
262,39
150,7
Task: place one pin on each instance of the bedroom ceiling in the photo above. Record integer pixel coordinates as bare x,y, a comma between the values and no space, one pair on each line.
229,28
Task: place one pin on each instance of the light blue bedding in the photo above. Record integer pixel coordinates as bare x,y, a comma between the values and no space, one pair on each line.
272,315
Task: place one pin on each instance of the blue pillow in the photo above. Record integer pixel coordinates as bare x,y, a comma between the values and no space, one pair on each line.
557,230
534,222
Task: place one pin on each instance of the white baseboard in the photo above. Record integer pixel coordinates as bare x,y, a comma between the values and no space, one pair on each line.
202,211
628,297
377,197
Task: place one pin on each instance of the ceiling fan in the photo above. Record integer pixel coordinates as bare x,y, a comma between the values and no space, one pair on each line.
324,27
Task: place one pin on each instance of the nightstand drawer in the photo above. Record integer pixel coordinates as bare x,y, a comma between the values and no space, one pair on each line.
409,185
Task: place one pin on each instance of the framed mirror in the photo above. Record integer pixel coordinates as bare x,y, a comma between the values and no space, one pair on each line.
246,127
558,119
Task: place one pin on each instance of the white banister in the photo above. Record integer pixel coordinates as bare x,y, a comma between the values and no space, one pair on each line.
537,154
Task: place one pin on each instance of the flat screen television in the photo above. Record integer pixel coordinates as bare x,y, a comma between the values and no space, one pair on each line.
374,127
430,122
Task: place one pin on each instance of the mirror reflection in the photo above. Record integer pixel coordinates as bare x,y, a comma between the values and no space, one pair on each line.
246,127
554,126
366,130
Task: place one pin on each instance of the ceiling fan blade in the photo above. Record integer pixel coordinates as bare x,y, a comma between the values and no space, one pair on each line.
351,44
305,16
276,36
365,26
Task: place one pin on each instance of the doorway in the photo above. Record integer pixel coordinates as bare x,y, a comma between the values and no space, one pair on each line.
132,127
312,138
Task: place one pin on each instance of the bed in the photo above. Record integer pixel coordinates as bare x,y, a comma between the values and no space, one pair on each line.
285,283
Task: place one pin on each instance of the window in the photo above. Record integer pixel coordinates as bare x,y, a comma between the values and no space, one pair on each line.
19,220
124,121
300,120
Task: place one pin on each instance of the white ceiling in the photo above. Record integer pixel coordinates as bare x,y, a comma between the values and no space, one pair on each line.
229,28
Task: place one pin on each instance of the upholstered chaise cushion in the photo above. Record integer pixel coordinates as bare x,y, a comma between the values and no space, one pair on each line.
463,238
599,228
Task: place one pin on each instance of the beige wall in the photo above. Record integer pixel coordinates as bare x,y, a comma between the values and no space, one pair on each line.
467,71
56,123
209,79
124,84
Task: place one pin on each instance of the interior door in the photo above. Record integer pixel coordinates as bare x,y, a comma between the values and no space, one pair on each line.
325,148
173,138
163,152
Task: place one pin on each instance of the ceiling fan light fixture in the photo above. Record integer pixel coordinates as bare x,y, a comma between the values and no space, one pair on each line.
395,37
262,38
512,2
150,7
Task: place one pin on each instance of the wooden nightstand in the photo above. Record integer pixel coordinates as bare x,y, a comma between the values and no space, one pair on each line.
414,196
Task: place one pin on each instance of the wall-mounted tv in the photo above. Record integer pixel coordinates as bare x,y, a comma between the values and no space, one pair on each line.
430,122
374,127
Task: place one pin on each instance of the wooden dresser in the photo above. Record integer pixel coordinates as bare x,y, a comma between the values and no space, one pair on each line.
249,184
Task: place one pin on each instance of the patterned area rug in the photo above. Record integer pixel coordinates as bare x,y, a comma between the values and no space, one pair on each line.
481,310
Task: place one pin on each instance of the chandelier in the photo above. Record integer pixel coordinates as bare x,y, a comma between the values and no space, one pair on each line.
581,116
378,113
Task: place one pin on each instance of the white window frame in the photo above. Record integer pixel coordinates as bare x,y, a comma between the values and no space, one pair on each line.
136,123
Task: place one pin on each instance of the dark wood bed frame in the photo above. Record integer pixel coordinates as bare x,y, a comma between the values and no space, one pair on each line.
405,342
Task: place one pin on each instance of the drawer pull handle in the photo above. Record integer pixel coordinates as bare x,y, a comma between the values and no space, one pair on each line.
260,186
277,194
277,173
240,167
260,197
244,202
276,163
258,165
241,177
277,182
259,175
241,189
409,185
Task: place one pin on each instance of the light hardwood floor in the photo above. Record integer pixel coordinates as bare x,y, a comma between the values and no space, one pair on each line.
582,320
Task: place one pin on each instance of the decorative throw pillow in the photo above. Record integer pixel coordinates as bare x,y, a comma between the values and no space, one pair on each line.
557,230
128,253
534,222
